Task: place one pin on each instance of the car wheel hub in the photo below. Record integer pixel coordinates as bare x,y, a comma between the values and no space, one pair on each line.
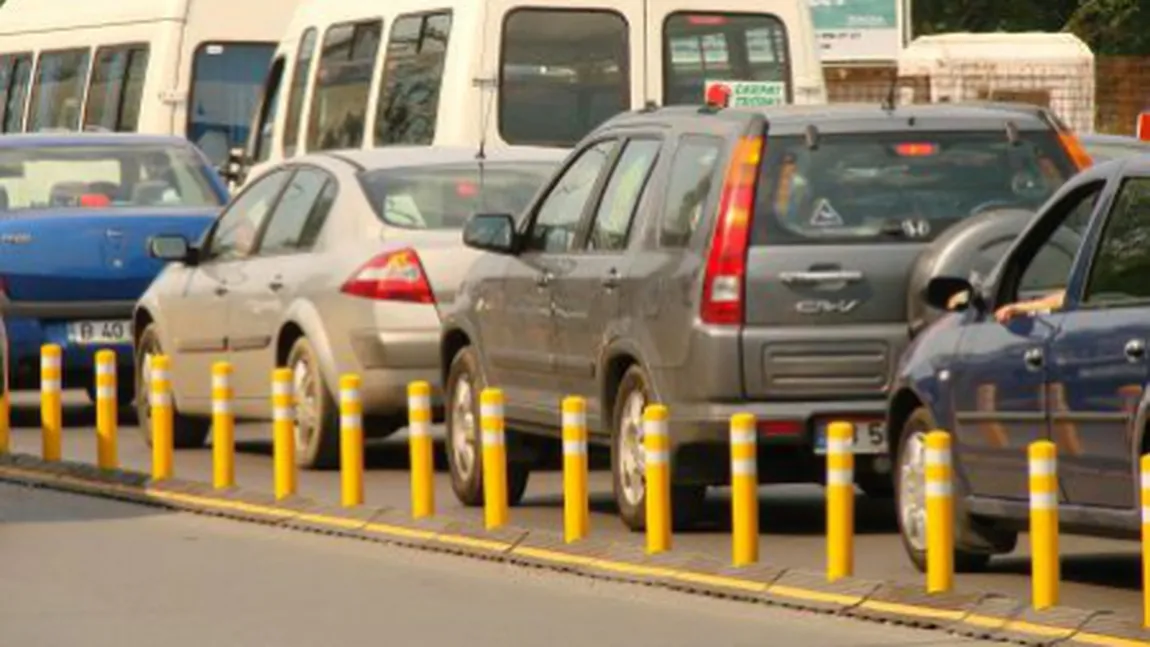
632,457
463,436
306,406
912,490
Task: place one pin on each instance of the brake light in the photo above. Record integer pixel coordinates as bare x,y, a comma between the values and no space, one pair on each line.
466,189
723,284
391,276
95,200
1142,129
706,20
916,149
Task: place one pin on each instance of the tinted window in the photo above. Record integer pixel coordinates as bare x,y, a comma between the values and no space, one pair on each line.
690,187
445,196
339,101
227,81
265,138
117,88
724,47
898,186
412,77
1049,269
563,73
286,228
299,79
612,226
58,92
557,219
1122,260
236,230
15,75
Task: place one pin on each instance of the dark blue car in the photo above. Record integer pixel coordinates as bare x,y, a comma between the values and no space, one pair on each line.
1051,345
76,213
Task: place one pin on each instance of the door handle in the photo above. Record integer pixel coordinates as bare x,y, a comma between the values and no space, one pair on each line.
1033,357
611,280
828,276
1135,350
543,279
276,285
221,290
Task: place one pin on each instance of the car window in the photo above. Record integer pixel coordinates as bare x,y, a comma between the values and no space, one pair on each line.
612,225
692,180
343,81
299,201
299,79
557,219
227,80
1122,259
1048,268
57,90
748,49
236,231
412,75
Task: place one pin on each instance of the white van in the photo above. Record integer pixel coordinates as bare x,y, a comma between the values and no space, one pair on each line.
364,73
182,67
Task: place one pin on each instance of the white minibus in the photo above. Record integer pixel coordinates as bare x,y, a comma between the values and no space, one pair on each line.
187,67
363,73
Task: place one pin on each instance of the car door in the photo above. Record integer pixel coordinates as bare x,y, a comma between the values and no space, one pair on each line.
273,276
197,316
1098,359
587,296
521,344
1000,375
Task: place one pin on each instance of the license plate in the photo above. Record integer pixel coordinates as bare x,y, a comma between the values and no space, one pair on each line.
91,333
869,437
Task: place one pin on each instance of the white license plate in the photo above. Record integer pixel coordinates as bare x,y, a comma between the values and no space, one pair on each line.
869,438
91,333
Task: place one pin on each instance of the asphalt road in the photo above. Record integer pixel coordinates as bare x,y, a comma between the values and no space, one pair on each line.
1097,573
85,571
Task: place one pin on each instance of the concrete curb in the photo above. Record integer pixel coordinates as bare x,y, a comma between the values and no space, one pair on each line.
978,616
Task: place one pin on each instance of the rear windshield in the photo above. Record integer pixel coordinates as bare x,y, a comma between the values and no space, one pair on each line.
56,177
749,51
444,197
895,187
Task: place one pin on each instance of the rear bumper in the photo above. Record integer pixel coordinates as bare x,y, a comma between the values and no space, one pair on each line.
389,360
27,334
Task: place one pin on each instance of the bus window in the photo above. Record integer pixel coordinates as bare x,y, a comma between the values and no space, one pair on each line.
299,77
266,118
117,88
58,92
563,72
412,77
701,47
226,82
15,72
343,79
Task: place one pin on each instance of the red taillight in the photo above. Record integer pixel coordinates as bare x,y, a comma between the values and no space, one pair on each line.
772,428
916,149
1142,129
707,20
95,200
392,276
727,262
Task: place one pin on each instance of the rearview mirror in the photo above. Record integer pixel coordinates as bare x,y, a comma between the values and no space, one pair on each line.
492,232
169,247
949,293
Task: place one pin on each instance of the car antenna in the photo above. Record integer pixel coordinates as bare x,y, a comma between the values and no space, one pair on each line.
888,103
485,110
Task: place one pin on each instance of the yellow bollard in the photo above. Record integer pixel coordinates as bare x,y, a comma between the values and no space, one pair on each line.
657,455
420,448
283,433
107,409
1145,501
840,500
223,427
51,415
576,506
350,442
744,491
162,418
1045,568
494,458
939,514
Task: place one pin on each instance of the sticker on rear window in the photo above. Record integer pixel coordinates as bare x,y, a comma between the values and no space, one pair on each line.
747,94
825,215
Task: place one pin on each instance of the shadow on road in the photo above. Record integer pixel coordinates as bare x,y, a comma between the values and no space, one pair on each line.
1113,570
21,504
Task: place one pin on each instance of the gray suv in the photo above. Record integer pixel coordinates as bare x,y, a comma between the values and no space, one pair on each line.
720,261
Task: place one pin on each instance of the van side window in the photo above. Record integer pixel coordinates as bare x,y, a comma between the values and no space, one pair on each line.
15,78
701,47
689,189
299,79
58,91
556,84
117,88
343,80
266,117
412,77
227,80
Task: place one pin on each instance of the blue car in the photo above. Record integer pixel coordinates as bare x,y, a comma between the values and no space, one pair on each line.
1051,345
76,213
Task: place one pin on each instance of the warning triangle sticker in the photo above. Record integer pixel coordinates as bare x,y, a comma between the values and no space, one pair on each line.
825,215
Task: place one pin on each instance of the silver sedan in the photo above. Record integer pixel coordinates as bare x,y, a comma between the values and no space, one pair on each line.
331,263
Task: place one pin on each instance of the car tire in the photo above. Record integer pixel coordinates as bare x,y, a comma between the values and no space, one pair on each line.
316,412
628,481
187,432
910,497
463,438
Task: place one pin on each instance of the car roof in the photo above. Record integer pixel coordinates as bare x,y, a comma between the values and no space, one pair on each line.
402,156
36,140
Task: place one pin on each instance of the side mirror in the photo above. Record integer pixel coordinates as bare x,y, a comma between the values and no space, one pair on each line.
950,293
491,232
232,170
170,247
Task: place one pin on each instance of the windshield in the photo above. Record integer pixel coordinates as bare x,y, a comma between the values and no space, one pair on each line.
227,79
53,177
899,186
444,197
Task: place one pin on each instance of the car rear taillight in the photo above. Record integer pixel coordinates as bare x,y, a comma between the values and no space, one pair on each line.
391,276
727,262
